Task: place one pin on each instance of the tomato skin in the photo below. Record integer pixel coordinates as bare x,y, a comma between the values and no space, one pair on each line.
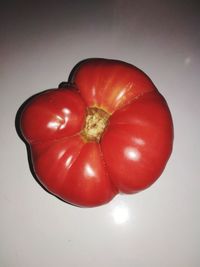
143,133
87,181
52,161
134,147
74,171
110,84
53,114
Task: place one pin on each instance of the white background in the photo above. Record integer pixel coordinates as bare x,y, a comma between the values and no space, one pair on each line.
40,44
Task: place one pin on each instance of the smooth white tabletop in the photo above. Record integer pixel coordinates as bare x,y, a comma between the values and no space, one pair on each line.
41,43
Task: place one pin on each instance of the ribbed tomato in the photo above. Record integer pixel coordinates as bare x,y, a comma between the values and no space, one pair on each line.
108,131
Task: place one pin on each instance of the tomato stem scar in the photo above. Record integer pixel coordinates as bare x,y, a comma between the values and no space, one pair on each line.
95,124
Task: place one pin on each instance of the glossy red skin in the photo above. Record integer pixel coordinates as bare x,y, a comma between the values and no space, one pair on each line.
133,150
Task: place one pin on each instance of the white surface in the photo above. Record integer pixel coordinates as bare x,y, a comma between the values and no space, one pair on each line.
156,228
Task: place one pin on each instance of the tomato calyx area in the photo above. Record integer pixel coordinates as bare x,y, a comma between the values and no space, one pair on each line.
95,124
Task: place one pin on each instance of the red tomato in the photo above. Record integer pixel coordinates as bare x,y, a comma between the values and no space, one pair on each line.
108,131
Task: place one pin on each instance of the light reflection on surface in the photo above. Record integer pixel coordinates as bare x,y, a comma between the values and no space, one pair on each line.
53,124
139,141
59,122
89,171
61,153
187,61
132,153
68,161
56,123
120,213
120,95
66,111
93,91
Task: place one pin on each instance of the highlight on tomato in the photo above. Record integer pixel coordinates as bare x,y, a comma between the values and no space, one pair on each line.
106,131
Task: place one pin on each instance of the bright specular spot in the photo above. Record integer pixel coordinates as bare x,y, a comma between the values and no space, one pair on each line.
120,214
89,172
66,111
132,154
68,161
53,125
